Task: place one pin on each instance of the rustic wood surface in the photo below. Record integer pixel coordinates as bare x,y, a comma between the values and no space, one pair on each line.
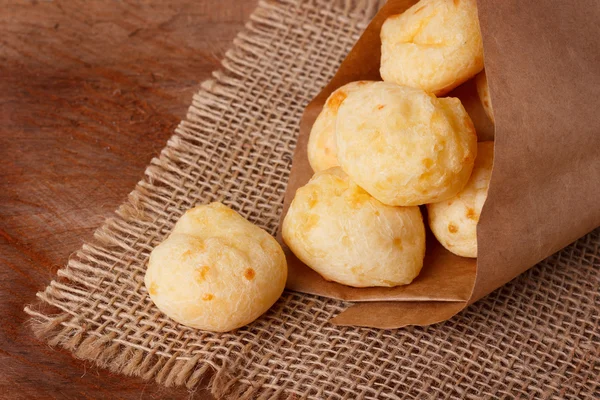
89,93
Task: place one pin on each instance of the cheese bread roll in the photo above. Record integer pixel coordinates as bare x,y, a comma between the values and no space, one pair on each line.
321,142
454,222
483,91
404,146
216,271
435,45
347,236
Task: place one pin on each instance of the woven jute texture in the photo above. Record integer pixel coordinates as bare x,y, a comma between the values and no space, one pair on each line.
537,337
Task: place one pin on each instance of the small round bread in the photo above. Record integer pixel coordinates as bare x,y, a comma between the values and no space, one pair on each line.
216,271
483,91
347,236
435,45
404,146
454,222
322,153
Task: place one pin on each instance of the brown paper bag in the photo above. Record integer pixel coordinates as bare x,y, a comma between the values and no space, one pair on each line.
543,67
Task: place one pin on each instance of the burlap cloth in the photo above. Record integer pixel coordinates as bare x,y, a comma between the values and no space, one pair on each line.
537,337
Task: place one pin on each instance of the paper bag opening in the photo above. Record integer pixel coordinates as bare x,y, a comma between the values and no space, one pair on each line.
541,62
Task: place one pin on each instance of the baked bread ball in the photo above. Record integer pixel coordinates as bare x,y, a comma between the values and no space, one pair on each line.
322,153
483,91
216,271
454,222
404,146
435,45
347,236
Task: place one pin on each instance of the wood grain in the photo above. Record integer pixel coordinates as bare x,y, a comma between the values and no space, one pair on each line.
89,93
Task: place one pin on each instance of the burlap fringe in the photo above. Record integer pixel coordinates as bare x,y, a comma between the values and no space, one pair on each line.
119,358
122,359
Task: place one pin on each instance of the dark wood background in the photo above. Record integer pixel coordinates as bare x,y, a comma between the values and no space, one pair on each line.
89,92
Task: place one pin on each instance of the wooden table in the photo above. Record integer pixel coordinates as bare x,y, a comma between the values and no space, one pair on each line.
89,93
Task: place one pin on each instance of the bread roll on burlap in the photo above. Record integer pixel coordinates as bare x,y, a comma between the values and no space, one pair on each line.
216,271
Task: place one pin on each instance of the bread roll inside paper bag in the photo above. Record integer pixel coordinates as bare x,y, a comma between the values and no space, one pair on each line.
542,62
